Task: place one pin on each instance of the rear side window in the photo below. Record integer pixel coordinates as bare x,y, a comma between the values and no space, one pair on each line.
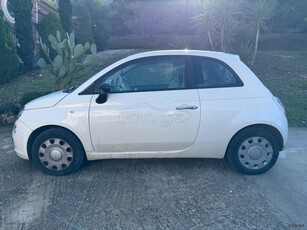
212,73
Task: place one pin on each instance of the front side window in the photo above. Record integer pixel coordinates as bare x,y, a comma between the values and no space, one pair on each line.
148,74
214,73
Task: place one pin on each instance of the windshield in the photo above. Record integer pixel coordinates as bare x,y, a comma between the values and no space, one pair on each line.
70,89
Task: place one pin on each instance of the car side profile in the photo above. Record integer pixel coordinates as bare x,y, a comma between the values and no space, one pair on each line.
160,104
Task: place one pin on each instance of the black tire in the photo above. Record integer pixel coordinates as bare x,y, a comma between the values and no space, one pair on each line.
253,151
57,152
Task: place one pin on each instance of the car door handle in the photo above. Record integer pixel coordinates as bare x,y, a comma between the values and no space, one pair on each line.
186,107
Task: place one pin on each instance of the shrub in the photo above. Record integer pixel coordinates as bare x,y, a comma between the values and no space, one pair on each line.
157,42
83,29
31,96
71,59
284,42
49,24
101,35
139,42
246,51
201,44
8,113
9,108
8,56
180,42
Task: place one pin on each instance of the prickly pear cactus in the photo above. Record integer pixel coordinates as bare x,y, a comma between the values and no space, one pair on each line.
70,61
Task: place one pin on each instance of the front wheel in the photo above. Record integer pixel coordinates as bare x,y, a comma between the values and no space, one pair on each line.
57,152
253,151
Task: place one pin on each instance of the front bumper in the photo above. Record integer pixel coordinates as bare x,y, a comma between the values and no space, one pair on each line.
21,134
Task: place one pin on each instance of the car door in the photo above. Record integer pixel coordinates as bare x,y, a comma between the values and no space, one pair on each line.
150,108
221,94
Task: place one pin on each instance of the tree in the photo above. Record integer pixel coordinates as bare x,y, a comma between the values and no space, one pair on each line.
290,14
83,29
258,12
24,31
83,22
203,21
8,55
219,18
65,11
98,12
225,17
90,21
49,24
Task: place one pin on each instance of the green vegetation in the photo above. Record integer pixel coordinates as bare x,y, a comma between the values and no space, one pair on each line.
12,92
180,42
284,73
49,24
52,3
228,24
258,13
89,18
83,29
70,61
99,29
24,32
65,12
8,56
277,28
15,93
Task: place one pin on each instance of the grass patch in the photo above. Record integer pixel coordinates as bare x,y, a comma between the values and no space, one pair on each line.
284,73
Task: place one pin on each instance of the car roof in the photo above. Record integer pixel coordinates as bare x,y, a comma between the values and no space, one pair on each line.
230,59
211,54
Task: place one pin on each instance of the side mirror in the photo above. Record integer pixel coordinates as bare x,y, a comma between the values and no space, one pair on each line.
104,90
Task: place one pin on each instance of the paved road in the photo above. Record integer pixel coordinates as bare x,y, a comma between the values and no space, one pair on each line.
155,193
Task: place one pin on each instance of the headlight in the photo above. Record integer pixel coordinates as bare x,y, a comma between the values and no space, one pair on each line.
20,112
279,103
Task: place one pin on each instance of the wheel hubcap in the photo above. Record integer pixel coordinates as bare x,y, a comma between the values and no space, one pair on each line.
55,154
255,153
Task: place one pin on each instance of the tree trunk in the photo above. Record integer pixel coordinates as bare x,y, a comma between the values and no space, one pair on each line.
222,39
210,38
256,44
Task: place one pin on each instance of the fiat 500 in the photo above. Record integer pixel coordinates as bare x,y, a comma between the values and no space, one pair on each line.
161,104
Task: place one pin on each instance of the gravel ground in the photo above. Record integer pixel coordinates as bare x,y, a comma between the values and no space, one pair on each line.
155,193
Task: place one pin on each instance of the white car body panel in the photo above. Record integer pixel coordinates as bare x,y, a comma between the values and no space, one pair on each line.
145,121
220,114
47,101
21,140
68,113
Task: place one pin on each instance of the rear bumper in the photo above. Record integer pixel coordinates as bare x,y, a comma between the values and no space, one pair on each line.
282,125
21,134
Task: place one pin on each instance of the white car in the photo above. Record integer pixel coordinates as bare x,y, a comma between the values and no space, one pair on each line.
162,104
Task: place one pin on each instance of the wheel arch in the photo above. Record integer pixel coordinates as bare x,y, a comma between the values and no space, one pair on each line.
42,129
269,128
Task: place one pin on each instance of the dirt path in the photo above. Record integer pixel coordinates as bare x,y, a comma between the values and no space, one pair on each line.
154,193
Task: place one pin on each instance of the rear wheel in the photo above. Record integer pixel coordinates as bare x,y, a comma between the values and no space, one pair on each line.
57,152
253,151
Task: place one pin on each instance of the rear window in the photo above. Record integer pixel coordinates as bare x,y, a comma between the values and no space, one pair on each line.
215,74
